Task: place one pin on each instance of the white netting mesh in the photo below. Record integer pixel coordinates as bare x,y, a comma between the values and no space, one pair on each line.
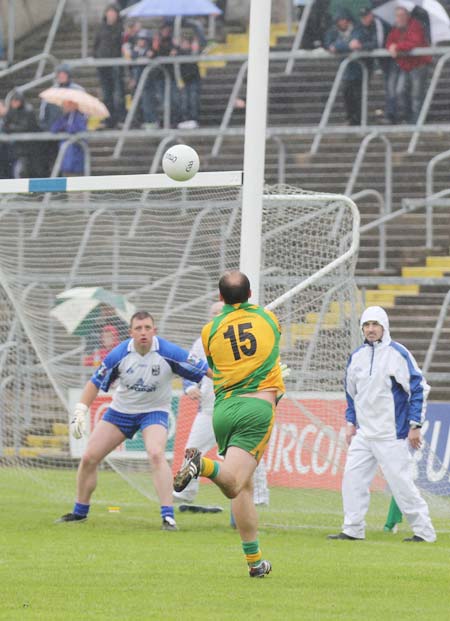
164,251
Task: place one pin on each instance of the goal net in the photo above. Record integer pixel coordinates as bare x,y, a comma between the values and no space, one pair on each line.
75,265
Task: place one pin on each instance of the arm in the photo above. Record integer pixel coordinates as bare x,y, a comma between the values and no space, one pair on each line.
350,412
182,363
192,389
59,125
409,376
78,420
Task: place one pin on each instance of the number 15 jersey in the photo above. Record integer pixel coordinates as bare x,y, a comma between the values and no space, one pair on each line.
242,349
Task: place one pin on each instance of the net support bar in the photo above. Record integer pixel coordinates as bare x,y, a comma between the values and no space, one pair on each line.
113,183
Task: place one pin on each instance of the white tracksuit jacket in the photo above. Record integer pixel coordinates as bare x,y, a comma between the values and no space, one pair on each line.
385,388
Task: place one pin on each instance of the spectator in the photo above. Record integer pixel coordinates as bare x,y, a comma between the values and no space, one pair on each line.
108,44
129,38
71,122
26,156
109,338
342,39
107,317
190,93
318,23
5,155
143,49
163,45
375,31
49,113
408,77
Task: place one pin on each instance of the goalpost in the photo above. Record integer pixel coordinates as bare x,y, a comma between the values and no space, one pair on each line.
162,245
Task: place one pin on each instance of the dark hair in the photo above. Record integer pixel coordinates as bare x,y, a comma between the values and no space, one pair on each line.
234,287
141,315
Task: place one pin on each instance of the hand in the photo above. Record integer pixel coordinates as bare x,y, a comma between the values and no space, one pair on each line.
355,44
332,49
350,431
285,370
415,438
392,49
78,421
194,393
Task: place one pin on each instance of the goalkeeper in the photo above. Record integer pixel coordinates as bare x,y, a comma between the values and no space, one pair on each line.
202,433
242,349
142,366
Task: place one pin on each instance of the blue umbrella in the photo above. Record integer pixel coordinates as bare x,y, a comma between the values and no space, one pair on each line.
171,8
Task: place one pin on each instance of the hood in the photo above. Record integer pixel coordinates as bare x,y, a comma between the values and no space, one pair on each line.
376,313
343,13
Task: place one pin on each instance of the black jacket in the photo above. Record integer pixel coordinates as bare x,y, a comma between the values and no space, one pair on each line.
21,120
108,41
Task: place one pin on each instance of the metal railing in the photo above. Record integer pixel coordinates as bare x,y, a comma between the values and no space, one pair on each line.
436,333
316,56
298,39
440,157
56,171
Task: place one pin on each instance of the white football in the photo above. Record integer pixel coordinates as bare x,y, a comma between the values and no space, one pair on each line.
180,162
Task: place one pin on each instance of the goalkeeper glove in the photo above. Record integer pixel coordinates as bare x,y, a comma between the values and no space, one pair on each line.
285,370
78,421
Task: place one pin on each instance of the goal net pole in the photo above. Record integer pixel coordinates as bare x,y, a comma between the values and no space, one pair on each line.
255,142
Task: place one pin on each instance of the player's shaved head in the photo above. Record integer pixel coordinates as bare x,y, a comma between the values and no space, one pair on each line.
141,315
234,287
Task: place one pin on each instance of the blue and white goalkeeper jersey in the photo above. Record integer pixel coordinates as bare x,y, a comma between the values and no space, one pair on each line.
144,383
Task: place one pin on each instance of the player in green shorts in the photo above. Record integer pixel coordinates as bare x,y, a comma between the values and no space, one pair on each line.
242,349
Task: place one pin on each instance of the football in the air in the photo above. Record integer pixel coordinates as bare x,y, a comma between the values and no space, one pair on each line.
180,162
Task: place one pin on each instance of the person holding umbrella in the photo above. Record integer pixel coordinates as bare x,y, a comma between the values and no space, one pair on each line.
77,105
71,122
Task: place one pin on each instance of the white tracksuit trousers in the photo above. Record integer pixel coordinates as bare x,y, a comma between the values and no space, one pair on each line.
395,461
202,437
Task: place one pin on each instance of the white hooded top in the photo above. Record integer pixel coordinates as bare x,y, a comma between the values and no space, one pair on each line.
385,388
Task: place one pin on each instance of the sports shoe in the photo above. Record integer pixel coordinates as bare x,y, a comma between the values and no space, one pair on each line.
414,538
190,469
168,523
260,570
344,537
200,509
71,517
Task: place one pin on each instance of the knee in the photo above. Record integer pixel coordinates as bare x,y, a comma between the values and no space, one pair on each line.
89,460
232,489
156,456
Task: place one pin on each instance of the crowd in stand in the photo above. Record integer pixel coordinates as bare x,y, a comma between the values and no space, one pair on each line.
405,76
339,26
354,27
114,40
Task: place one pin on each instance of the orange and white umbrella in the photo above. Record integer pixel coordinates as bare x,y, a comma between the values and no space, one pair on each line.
87,104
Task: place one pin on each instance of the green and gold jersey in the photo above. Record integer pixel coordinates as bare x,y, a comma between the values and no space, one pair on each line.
242,348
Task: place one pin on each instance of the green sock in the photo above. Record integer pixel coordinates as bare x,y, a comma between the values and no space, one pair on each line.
252,552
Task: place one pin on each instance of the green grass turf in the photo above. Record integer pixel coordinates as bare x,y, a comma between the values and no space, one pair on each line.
121,566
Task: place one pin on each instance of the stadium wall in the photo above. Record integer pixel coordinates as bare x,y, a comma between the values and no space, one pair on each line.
29,15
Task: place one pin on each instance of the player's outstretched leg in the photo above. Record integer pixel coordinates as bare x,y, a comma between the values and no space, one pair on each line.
234,477
104,439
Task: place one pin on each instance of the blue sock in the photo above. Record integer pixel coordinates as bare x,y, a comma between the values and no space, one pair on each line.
81,509
167,512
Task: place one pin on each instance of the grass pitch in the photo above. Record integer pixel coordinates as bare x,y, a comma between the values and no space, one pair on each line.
121,566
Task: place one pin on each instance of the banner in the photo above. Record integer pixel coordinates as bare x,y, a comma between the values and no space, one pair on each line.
432,464
307,446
